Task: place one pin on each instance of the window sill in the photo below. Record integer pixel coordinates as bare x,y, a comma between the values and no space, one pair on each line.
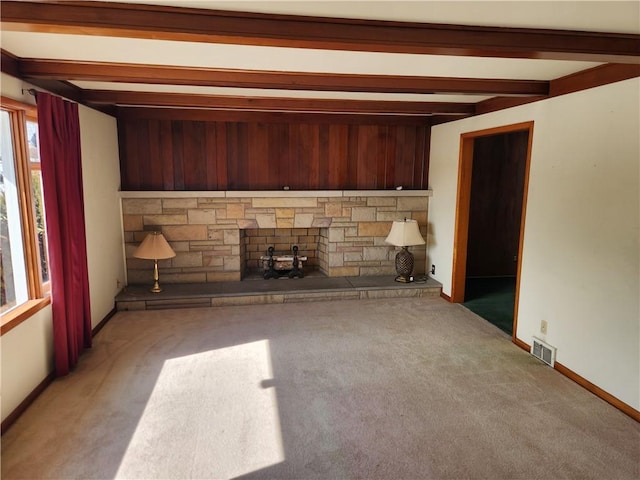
19,314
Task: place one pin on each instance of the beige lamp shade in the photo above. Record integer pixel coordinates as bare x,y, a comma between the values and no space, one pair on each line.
405,233
154,247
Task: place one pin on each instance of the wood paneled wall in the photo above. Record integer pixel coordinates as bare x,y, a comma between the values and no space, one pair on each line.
497,188
178,154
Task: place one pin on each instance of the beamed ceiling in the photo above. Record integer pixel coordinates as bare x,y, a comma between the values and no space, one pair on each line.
430,61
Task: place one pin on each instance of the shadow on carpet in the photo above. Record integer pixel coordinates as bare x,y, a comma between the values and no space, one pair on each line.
493,299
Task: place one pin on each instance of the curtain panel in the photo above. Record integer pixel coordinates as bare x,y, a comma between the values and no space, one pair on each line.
60,159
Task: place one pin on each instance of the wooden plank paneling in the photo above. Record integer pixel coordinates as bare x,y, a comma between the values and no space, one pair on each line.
497,184
242,149
125,181
307,167
368,149
144,159
178,154
163,154
155,174
299,154
258,170
232,156
195,165
166,155
338,155
210,156
389,157
131,169
221,156
419,158
426,153
405,157
323,156
352,158
279,154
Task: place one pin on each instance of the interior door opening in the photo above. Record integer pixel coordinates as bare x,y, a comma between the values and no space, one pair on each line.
490,221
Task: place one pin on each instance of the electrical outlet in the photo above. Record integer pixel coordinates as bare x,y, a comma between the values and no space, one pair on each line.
543,327
433,269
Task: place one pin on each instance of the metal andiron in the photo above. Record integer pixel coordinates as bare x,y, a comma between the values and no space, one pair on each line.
276,266
295,271
270,272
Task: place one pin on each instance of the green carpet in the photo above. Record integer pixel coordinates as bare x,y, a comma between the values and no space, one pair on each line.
493,299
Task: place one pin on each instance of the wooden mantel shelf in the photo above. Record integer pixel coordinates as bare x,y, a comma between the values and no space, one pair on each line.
276,193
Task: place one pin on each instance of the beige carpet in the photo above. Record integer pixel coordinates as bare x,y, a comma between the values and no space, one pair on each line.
397,388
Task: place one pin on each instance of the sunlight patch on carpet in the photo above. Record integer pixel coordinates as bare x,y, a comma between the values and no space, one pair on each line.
221,405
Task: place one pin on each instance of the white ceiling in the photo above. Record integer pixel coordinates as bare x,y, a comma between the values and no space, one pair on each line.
164,52
621,17
589,15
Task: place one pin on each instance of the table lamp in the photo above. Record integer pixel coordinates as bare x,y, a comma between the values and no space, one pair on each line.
154,247
404,233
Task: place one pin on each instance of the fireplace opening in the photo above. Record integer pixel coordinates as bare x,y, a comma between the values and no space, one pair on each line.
255,244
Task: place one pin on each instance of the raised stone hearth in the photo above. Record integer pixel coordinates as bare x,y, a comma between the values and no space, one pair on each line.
211,231
249,292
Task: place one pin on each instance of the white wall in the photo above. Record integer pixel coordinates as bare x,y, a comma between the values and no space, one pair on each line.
101,183
581,258
27,350
27,358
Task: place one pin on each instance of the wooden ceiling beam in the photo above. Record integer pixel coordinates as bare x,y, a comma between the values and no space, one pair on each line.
214,77
220,102
199,114
590,78
593,77
9,64
202,25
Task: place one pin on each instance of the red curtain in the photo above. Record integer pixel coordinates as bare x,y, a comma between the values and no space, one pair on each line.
60,159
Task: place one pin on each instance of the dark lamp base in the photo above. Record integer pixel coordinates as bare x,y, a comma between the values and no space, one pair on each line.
404,266
403,279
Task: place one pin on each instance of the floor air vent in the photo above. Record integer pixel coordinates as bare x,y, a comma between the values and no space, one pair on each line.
543,351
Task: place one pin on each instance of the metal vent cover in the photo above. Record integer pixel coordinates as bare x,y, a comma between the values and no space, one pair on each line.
543,351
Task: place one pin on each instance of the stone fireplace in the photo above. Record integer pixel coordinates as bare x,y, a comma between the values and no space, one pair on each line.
219,236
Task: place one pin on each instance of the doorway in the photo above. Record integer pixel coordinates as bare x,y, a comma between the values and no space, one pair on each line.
492,188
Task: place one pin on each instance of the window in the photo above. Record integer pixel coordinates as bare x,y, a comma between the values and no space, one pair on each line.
24,272
38,199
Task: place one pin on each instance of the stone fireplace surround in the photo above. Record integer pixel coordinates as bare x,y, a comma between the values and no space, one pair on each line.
211,231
